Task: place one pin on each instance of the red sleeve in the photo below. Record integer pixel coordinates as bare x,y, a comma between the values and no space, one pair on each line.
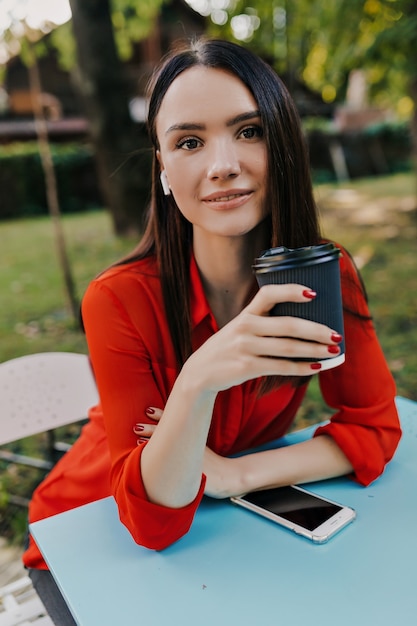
362,390
131,377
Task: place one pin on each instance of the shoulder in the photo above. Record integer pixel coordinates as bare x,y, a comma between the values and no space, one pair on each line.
354,295
123,312
132,270
119,277
129,284
347,263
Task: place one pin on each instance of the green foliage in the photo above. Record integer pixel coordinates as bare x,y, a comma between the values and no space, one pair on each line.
379,149
322,42
133,21
62,40
22,175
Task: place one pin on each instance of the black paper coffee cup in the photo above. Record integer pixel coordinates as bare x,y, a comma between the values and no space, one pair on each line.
317,267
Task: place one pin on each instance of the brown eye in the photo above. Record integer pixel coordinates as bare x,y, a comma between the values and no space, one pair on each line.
252,132
190,143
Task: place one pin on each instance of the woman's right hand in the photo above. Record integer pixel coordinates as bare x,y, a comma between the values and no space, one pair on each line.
255,344
252,345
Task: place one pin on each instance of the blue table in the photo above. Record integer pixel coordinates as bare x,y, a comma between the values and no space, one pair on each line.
235,568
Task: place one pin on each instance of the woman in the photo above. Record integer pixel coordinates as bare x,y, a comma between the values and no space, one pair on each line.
190,367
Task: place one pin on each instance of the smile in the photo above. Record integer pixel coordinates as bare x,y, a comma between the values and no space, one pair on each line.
227,198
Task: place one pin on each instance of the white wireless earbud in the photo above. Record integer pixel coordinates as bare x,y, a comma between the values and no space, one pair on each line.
164,183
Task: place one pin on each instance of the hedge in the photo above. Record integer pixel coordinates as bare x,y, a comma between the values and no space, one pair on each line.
380,149
22,183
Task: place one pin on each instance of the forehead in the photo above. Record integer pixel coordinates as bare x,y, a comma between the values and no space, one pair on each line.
202,95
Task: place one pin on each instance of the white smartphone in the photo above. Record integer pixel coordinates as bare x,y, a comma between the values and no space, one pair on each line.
299,510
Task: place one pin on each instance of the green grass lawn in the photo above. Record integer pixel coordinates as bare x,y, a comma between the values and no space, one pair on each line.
379,227
34,312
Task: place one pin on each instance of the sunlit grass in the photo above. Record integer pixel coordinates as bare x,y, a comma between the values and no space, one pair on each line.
34,311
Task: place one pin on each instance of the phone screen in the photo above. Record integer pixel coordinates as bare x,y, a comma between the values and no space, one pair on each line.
294,505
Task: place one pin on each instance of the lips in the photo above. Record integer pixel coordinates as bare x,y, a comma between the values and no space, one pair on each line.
227,196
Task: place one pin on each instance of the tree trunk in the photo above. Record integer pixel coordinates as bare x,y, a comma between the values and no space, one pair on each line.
51,184
411,16
121,146
413,92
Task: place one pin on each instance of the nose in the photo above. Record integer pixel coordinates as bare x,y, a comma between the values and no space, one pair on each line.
224,162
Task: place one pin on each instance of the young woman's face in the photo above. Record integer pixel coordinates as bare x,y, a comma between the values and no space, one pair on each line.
213,151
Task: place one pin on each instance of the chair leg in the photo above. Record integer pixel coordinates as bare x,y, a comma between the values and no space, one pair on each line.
20,605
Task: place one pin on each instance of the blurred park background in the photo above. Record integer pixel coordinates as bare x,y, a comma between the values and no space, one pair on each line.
75,158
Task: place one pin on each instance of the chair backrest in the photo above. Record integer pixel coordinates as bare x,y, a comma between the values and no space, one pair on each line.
40,392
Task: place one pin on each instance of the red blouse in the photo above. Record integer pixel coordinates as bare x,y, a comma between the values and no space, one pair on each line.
135,367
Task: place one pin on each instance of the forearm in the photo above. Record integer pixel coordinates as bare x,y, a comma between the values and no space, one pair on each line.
315,459
172,461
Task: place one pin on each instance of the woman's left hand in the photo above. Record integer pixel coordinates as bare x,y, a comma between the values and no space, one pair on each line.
145,430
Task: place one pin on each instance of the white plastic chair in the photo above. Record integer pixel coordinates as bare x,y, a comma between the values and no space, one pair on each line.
21,606
39,392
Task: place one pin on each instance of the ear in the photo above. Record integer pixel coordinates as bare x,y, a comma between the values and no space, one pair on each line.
159,159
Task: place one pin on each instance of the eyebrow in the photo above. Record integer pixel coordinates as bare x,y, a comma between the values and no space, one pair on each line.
243,117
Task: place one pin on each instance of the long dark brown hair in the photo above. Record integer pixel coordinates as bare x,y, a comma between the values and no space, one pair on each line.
291,207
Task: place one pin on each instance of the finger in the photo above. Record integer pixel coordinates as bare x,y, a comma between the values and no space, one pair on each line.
252,351
285,367
144,430
154,413
295,349
288,326
269,295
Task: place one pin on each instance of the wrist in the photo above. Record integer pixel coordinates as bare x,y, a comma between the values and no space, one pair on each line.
191,381
244,479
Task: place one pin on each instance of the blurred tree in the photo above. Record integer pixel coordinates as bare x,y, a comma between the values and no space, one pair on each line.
394,53
93,45
52,198
120,145
321,42
381,40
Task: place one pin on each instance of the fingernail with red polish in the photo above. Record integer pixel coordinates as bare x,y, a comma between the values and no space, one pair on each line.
315,366
150,410
309,293
336,337
139,427
333,349
143,440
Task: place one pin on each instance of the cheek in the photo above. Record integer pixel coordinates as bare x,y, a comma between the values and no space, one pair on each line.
183,179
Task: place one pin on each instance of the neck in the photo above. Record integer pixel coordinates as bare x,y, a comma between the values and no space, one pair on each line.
225,266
